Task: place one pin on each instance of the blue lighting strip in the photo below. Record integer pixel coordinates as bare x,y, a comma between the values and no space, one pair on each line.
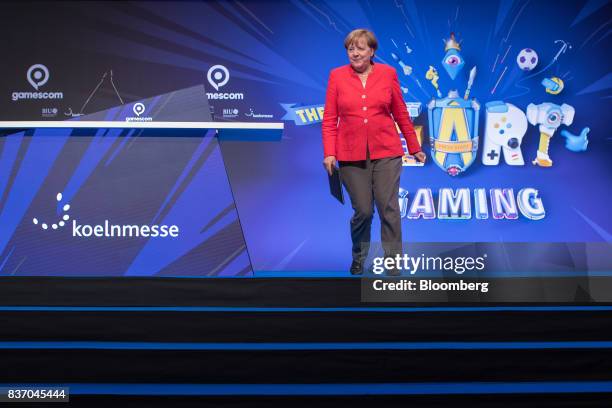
343,274
444,388
389,309
489,274
121,345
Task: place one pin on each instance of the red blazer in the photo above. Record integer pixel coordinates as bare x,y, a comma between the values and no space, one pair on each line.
355,116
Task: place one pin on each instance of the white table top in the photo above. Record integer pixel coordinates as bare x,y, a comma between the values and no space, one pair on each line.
60,124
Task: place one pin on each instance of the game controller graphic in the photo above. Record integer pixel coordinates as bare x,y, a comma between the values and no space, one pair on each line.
504,130
549,117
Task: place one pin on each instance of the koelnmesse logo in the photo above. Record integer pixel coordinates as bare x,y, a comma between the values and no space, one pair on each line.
254,115
37,75
218,76
108,229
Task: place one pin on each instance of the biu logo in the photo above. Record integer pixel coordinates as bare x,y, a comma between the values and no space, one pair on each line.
139,108
218,76
108,229
37,75
230,112
49,112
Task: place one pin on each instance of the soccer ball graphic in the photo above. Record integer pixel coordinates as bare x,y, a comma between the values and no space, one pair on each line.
527,59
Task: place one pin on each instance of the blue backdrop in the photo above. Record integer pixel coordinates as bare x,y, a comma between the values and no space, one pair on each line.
278,56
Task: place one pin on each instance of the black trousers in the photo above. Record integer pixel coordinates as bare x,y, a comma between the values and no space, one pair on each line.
370,182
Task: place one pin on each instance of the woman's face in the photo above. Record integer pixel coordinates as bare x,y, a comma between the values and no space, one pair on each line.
359,54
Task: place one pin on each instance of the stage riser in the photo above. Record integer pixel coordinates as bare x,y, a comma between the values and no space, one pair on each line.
311,366
269,292
305,326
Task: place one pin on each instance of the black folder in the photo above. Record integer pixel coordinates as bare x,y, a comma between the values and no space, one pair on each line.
335,185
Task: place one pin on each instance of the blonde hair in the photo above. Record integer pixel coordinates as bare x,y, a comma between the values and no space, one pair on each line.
352,37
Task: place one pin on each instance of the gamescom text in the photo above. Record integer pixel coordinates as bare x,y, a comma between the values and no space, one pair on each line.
37,95
224,95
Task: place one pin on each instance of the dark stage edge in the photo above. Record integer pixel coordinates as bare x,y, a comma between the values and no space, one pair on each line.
331,367
307,326
275,292
301,318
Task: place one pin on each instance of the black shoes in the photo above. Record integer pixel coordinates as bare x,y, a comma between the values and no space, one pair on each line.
357,268
393,271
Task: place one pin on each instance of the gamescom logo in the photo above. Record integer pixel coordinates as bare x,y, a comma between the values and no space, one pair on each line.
139,108
37,75
218,76
108,229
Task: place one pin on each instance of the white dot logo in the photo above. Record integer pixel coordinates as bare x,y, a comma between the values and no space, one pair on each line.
37,75
138,108
61,222
217,76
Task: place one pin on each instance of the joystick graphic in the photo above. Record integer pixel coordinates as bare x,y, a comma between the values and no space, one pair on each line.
504,130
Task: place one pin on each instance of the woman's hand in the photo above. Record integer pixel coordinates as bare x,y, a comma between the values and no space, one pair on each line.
329,162
420,156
